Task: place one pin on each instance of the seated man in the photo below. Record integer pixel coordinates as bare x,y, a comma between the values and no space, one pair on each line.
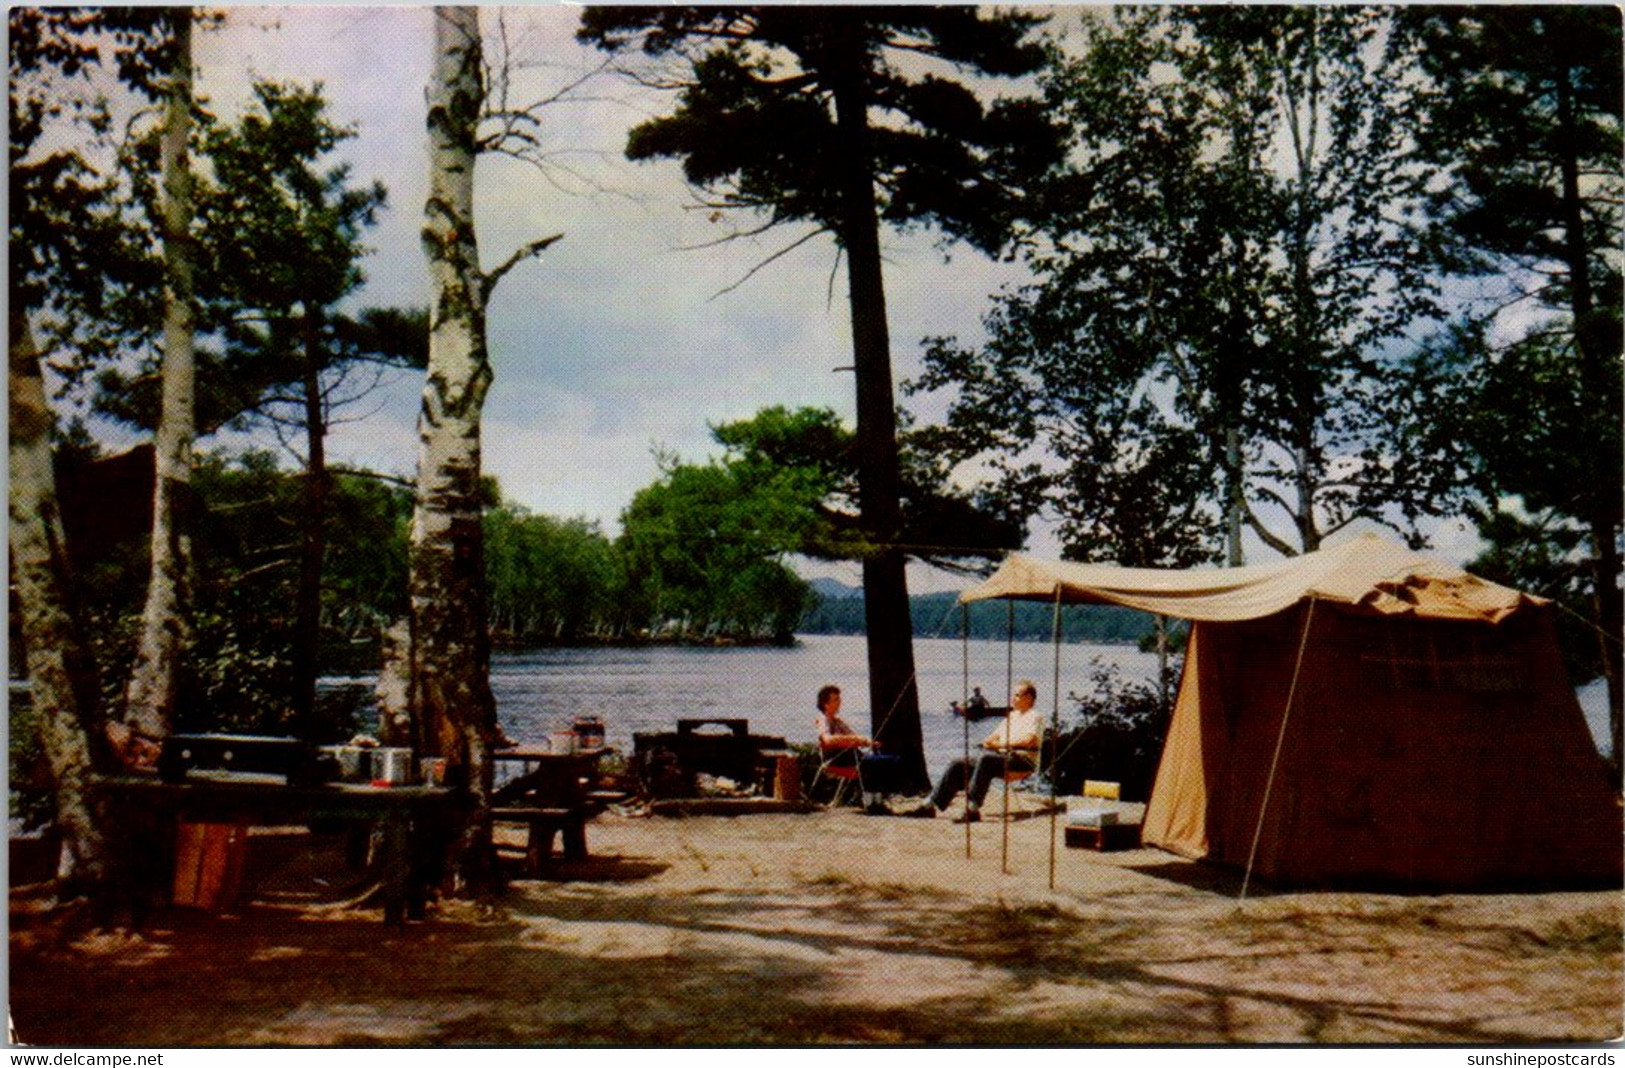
841,745
1013,745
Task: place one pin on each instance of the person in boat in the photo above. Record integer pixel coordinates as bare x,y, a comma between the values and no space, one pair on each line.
1012,746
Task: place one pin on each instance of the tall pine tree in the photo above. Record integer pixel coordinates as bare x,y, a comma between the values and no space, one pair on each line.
846,118
1524,122
285,235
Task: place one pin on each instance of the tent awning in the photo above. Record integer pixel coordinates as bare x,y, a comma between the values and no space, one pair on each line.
1368,572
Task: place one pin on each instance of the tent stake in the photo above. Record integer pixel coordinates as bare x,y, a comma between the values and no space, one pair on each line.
1280,739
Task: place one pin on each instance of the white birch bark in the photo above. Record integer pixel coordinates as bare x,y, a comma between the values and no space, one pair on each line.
453,711
153,689
62,681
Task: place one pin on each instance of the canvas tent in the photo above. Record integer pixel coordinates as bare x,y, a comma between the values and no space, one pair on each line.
1362,715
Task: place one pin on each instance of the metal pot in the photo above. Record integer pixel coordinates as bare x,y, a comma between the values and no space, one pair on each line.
392,765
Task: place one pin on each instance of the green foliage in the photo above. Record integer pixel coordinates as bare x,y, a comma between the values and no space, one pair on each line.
756,124
364,569
1112,733
31,800
247,523
1523,124
79,263
280,231
1229,251
549,580
1519,96
704,547
814,457
279,246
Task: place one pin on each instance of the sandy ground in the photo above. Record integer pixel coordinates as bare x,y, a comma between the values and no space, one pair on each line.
832,927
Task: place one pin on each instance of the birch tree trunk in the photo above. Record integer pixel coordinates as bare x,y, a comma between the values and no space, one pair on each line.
453,711
60,670
153,691
1235,503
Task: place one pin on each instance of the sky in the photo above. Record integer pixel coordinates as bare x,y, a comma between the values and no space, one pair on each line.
636,331
619,340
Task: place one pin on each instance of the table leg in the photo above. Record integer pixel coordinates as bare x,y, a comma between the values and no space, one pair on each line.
575,838
538,845
395,865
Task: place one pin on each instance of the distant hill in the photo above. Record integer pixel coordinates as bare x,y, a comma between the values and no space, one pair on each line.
834,589
937,616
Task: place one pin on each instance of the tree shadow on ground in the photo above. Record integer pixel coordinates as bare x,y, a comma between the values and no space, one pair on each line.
605,869
629,961
1038,945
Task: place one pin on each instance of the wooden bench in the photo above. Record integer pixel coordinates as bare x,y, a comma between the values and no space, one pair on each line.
598,800
554,795
542,825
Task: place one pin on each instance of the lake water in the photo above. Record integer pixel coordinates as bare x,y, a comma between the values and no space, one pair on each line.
650,688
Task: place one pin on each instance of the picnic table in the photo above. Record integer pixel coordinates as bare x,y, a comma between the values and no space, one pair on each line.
413,822
551,794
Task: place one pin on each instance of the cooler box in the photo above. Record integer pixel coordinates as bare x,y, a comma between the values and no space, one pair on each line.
209,864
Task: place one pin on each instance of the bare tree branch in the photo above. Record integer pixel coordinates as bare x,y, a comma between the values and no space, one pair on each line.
357,472
733,235
1264,533
792,246
492,277
834,272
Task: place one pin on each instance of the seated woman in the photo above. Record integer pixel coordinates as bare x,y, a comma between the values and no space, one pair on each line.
842,746
1013,745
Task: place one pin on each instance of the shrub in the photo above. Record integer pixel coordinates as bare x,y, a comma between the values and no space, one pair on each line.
1114,733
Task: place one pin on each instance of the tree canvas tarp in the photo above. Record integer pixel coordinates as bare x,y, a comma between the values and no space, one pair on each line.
1362,715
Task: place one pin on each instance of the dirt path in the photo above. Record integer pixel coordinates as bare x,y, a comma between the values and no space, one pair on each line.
837,927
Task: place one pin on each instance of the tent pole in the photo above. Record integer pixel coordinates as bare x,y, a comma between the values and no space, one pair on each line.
1280,739
964,697
1054,732
1009,701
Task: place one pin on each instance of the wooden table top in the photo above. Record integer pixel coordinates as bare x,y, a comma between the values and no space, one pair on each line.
531,753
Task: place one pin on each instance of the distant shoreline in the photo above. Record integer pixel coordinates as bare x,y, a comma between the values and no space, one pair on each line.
768,643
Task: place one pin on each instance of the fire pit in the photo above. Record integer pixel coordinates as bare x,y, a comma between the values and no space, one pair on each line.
667,762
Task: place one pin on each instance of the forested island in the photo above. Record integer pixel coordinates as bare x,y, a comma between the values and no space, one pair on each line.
936,615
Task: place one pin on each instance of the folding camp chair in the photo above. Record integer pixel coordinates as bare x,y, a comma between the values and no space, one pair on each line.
841,764
1020,804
